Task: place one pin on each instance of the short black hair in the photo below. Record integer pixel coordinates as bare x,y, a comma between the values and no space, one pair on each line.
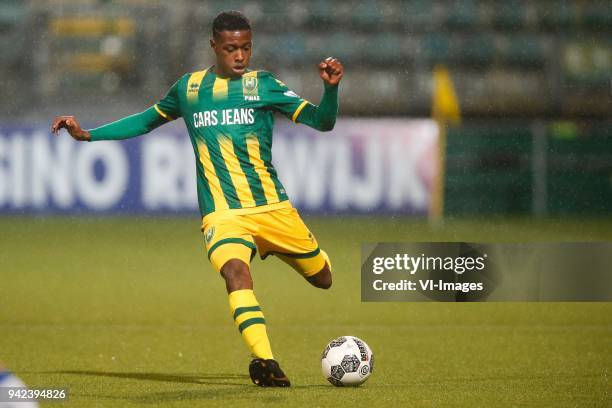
230,21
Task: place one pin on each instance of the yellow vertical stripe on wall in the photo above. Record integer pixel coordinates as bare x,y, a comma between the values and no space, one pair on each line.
220,88
211,176
261,170
239,179
193,85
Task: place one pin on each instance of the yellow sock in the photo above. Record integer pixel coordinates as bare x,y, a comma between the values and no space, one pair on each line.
250,321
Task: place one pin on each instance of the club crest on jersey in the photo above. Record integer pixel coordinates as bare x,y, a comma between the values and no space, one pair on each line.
249,85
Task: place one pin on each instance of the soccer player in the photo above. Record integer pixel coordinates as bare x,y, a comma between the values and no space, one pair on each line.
228,110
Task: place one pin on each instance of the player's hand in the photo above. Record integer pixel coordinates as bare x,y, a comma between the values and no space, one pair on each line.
331,71
72,126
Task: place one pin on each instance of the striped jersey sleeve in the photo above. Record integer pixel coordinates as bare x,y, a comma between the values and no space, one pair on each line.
282,99
168,107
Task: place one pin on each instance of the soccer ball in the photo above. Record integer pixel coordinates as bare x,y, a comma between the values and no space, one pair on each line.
347,361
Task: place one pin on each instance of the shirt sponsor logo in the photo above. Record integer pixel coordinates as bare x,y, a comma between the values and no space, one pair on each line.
243,116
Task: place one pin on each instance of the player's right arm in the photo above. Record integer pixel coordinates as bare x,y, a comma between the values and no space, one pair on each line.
162,112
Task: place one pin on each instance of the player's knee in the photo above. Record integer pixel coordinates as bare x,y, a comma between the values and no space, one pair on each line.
325,283
322,279
237,275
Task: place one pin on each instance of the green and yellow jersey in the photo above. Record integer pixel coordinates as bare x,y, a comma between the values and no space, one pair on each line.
230,123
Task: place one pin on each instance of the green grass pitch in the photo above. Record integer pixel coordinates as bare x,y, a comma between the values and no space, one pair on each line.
127,312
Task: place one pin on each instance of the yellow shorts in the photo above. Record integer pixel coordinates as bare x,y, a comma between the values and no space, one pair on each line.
274,229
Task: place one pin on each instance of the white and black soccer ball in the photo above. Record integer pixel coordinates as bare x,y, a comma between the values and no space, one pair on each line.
347,361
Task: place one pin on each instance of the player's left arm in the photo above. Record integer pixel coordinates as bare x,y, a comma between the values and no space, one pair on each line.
323,117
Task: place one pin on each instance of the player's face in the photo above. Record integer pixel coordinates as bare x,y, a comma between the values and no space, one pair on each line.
233,50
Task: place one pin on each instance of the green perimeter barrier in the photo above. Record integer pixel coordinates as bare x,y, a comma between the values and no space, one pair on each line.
555,168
